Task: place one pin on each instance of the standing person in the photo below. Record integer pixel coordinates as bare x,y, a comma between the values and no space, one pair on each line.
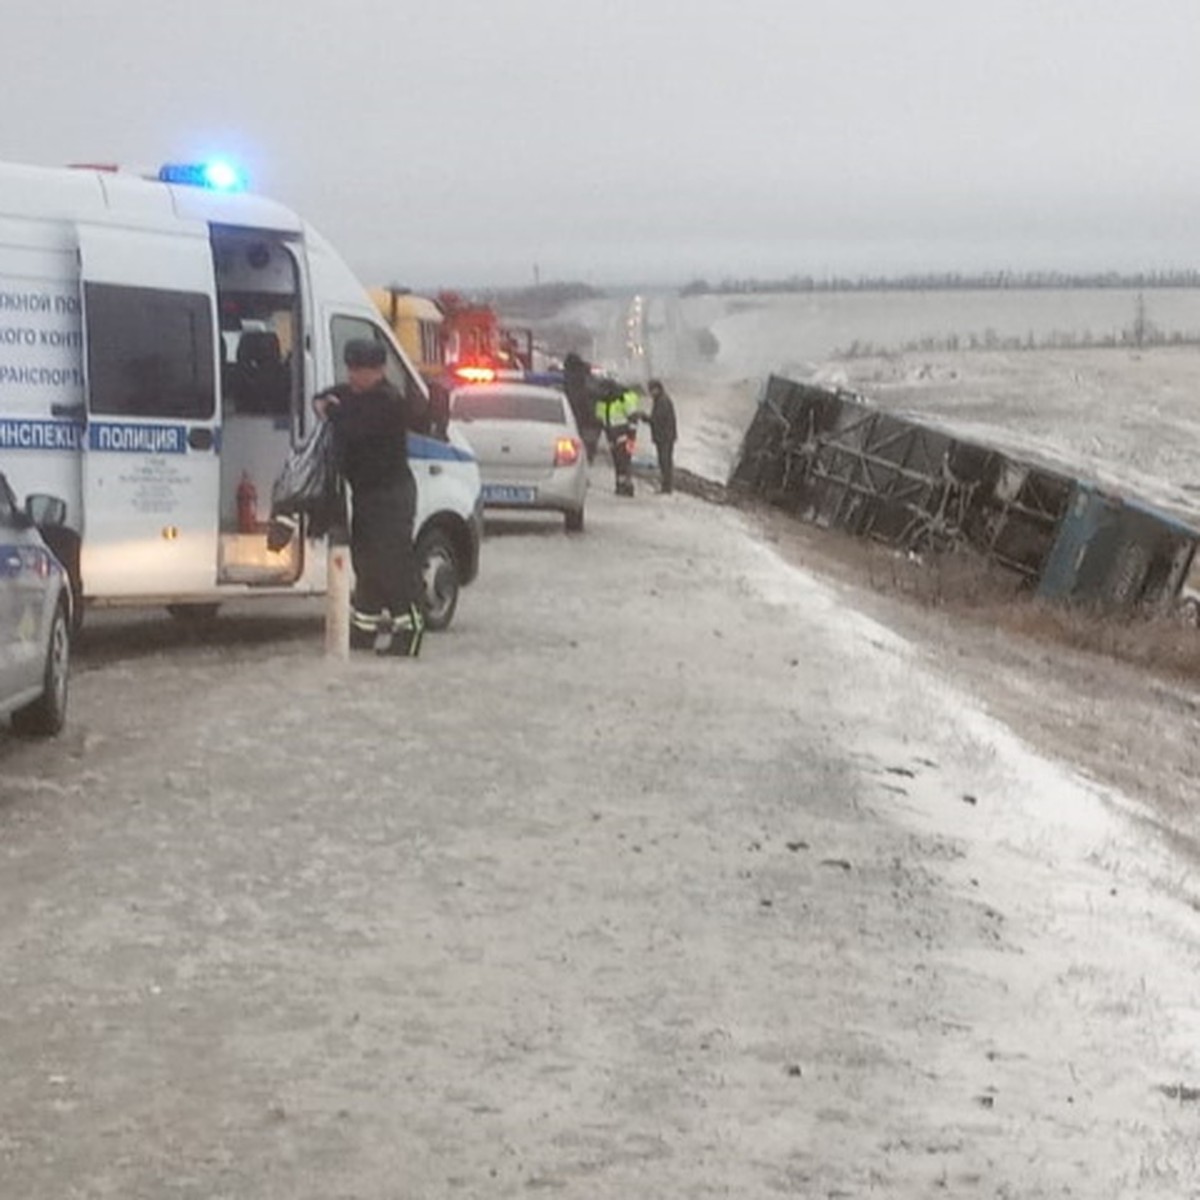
439,408
614,410
577,384
371,420
663,432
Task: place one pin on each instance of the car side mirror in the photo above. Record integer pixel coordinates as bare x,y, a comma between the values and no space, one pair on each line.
46,512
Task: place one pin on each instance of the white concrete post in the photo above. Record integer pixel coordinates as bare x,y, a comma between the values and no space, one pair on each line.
337,602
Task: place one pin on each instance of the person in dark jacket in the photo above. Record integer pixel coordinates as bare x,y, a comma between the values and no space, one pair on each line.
577,384
439,409
663,432
371,420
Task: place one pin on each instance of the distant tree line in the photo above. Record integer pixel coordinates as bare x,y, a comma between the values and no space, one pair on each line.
1142,333
948,281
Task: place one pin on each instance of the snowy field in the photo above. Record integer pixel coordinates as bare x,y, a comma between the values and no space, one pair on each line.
1124,417
797,332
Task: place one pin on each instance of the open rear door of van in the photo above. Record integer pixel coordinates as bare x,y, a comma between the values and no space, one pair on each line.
151,463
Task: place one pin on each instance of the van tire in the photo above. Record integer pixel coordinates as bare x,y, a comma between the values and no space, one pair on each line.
48,713
574,520
437,566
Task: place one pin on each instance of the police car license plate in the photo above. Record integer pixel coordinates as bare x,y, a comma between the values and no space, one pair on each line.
507,493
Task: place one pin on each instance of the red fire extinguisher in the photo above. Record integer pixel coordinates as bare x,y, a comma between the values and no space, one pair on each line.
247,505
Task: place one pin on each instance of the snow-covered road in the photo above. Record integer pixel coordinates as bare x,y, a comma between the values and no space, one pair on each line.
664,873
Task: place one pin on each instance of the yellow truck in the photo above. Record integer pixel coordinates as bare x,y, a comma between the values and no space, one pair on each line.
418,323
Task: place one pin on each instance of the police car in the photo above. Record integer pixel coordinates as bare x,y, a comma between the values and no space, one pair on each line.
530,452
35,624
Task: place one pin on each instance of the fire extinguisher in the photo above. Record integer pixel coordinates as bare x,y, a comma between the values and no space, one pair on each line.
247,505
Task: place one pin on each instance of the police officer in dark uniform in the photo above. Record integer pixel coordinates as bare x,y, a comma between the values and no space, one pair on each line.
577,384
371,420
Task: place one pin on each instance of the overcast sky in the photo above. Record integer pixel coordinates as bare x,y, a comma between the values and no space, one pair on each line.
463,142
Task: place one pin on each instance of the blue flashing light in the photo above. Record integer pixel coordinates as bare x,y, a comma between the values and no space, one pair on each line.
224,176
217,175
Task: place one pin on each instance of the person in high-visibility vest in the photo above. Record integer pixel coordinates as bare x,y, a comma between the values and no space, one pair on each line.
615,407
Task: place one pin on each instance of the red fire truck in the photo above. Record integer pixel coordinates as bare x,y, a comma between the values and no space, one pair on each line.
477,345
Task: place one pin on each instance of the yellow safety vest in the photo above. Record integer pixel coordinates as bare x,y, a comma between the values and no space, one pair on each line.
617,411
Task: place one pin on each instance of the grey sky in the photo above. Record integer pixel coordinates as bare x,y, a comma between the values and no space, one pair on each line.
649,140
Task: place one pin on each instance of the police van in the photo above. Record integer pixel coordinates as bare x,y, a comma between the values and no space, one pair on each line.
160,342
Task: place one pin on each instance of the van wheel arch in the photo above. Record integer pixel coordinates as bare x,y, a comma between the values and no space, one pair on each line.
439,564
67,547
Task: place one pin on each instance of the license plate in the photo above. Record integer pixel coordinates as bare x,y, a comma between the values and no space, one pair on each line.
507,493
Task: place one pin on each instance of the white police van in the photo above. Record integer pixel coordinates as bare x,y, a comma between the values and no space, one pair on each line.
160,340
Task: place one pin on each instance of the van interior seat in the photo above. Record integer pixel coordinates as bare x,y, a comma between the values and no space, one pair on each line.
260,379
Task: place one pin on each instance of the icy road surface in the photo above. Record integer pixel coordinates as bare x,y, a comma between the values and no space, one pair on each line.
664,873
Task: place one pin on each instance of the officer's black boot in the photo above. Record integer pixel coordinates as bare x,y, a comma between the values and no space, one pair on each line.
363,628
407,632
384,635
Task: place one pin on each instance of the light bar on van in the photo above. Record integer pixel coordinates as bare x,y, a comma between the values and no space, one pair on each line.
217,175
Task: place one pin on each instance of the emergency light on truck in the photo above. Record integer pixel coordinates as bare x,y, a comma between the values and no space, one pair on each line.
471,374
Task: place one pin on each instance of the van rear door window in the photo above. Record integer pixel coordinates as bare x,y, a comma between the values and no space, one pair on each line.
150,352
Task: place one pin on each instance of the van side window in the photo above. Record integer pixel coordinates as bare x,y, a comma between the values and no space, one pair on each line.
150,352
345,329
